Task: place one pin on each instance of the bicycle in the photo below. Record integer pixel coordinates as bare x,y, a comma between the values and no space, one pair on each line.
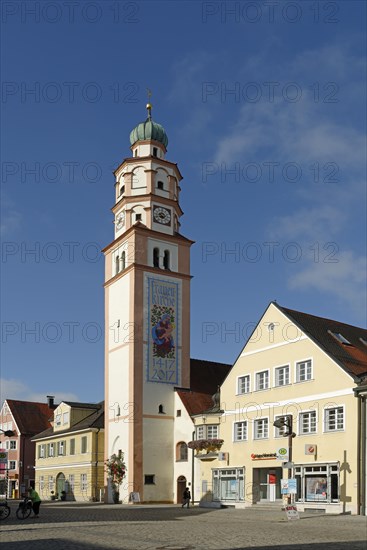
24,509
4,510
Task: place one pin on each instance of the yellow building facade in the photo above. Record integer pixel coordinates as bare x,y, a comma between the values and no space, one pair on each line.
69,456
299,367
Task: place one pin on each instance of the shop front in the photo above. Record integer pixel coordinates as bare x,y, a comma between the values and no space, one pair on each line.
229,484
266,484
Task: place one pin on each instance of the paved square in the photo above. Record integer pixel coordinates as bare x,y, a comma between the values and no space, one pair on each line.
77,526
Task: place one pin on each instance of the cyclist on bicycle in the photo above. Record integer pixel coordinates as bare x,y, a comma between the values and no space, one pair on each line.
36,501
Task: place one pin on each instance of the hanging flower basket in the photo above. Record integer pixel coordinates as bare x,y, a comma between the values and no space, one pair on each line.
206,445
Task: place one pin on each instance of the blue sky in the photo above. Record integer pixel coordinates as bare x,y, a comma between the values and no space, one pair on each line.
264,108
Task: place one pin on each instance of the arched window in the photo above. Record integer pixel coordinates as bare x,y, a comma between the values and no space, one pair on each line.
181,451
161,409
156,257
160,185
117,264
166,261
123,260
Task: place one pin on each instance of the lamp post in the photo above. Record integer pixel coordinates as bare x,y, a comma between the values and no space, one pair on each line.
287,422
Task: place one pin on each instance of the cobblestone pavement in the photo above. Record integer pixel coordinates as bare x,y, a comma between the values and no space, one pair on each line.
78,526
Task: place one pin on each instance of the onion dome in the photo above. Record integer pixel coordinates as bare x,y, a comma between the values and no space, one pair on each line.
149,130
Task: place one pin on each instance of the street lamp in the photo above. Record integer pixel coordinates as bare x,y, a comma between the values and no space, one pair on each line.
287,422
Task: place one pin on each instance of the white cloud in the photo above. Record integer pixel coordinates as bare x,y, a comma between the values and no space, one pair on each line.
345,279
16,389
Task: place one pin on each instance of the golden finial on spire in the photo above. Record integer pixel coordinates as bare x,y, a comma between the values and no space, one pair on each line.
149,105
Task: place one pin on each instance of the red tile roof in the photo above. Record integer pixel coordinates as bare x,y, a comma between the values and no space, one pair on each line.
205,377
30,417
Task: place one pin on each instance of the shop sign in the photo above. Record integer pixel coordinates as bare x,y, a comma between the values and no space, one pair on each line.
283,453
263,456
291,511
310,449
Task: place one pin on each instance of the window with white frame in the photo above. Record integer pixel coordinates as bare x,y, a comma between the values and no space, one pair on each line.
334,419
200,432
65,418
207,431
83,482
11,445
243,384
317,483
51,450
51,483
12,465
240,431
303,371
42,451
58,420
261,428
72,446
307,422
61,448
42,483
212,431
282,375
262,380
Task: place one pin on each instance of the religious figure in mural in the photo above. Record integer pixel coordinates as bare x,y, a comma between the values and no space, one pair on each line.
162,336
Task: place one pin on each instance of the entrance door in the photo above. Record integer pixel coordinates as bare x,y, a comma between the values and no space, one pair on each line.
60,484
181,486
268,480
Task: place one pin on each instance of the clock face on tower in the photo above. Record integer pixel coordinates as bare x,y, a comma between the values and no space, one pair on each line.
120,220
162,215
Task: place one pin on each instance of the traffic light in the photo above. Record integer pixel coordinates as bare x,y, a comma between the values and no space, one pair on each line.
285,422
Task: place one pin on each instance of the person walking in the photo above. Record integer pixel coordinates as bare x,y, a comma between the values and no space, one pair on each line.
186,497
36,501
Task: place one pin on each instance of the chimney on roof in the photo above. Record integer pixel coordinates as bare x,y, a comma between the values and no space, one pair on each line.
50,400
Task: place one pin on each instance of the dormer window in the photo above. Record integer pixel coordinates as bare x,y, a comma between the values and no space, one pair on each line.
340,338
58,420
155,151
160,185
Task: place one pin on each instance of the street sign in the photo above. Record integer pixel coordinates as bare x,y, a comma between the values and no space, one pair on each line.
288,465
283,453
310,449
292,512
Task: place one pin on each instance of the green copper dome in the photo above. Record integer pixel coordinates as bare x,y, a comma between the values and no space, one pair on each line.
149,130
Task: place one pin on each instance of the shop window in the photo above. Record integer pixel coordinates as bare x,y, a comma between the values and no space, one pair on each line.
318,484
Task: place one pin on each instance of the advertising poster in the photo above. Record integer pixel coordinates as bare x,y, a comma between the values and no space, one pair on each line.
163,328
316,489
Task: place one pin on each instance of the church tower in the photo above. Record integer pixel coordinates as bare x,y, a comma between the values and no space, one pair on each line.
147,315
